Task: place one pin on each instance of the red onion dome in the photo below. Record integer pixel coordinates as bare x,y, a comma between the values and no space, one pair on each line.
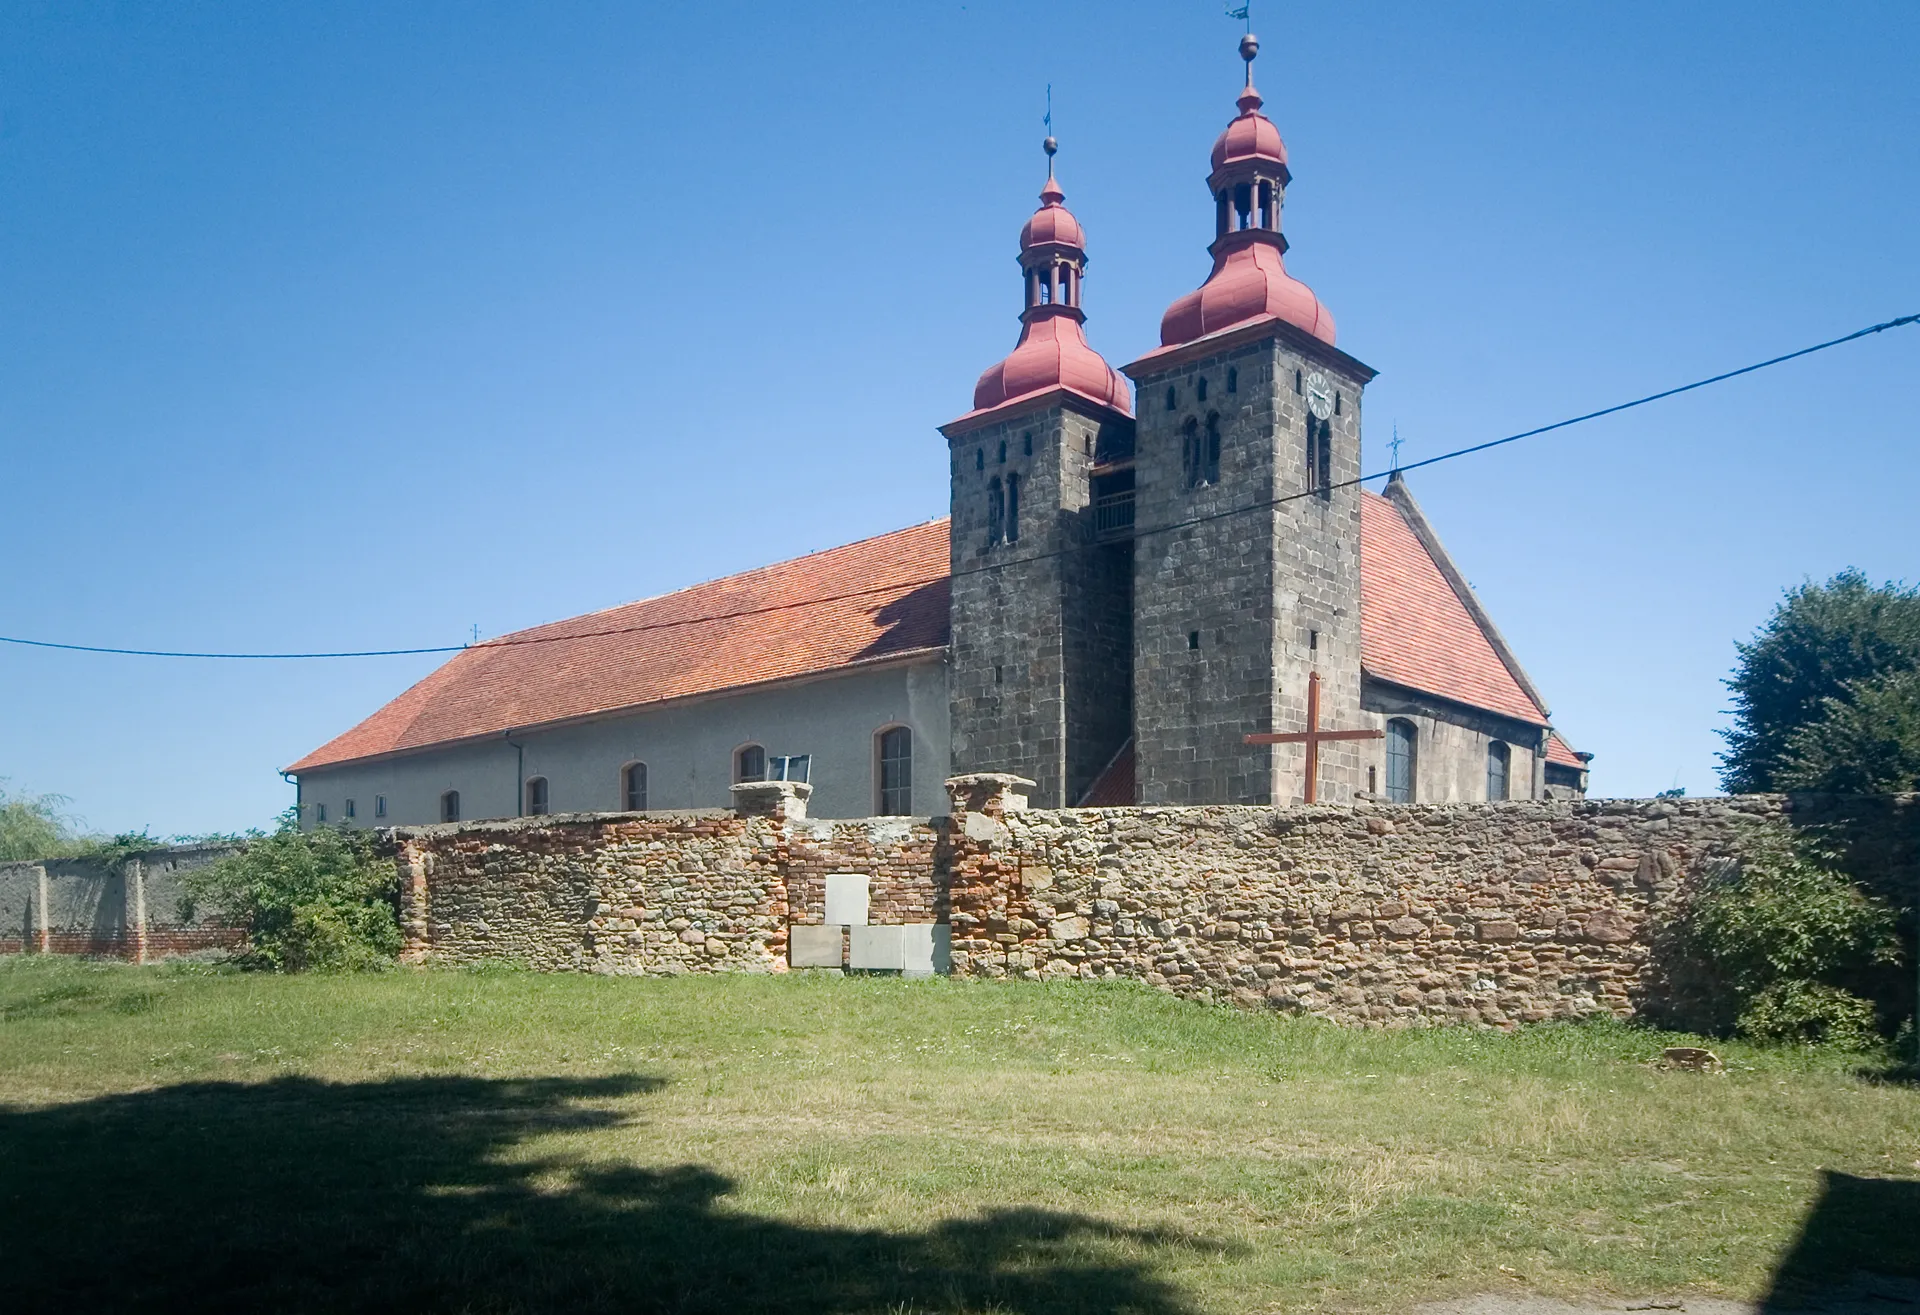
1252,136
1053,353
1248,283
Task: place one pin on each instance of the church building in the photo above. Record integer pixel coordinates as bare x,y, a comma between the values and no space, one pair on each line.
1141,569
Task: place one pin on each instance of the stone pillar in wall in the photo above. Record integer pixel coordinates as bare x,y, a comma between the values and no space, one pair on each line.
783,801
988,911
415,863
779,803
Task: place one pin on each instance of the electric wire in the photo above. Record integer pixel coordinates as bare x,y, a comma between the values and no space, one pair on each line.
895,586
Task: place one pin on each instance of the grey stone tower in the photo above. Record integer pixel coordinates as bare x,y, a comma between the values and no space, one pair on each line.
1040,677
1247,548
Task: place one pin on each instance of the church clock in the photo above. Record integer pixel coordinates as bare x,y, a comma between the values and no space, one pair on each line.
1319,395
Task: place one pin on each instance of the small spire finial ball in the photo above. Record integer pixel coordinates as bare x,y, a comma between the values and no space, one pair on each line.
1049,146
1249,47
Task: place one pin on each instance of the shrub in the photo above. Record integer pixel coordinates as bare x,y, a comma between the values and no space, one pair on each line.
316,900
1795,950
1811,1014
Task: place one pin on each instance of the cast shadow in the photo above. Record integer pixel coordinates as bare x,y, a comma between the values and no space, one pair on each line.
1859,1234
419,1194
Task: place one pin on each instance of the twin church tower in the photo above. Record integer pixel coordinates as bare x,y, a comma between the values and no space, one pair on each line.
1143,577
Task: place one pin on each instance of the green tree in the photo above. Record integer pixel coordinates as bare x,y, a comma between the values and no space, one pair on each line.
33,826
1823,665
323,899
1867,742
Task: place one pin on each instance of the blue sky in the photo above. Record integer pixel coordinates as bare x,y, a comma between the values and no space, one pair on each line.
359,325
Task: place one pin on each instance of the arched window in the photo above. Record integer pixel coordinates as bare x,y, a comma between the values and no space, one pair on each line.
749,764
1320,457
895,749
633,787
1013,509
1173,398
1003,451
1499,769
1403,760
1233,379
996,511
1026,444
1190,456
536,796
1200,389
450,806
980,459
1211,457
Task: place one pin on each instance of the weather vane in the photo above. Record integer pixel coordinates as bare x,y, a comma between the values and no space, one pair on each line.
1244,13
1048,118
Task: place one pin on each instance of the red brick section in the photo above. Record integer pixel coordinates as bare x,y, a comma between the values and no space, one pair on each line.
1415,631
779,632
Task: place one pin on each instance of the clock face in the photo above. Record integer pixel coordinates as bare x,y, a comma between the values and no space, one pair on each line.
1319,395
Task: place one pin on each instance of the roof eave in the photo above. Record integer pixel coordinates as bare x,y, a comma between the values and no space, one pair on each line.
1056,393
1238,335
905,657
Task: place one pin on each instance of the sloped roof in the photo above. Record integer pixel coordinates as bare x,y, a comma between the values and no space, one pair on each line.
652,651
1113,788
1561,753
1415,630
880,598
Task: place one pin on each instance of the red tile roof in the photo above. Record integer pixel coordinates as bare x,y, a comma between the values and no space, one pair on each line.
879,598
1560,752
782,621
1415,631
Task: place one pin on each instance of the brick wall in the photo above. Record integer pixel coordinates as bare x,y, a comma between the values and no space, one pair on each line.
1478,913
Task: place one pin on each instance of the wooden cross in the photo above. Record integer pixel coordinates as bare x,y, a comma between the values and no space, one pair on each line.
1313,737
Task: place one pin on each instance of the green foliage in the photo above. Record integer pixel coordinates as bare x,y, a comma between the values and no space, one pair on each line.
1810,1014
1867,742
33,826
318,900
1794,945
1826,648
1677,792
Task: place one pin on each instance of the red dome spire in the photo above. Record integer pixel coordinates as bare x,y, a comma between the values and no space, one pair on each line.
1052,351
1249,279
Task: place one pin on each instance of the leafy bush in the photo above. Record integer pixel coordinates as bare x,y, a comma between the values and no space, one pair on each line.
1795,948
316,900
1811,1014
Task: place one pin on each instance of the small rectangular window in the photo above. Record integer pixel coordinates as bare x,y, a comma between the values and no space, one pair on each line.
1193,639
790,767
319,812
379,805
348,811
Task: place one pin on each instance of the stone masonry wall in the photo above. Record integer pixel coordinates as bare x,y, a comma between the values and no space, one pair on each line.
1492,914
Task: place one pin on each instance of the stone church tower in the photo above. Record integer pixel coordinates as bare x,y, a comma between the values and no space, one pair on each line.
1247,555
1040,677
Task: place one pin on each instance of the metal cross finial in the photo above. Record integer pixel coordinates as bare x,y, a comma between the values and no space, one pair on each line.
1394,446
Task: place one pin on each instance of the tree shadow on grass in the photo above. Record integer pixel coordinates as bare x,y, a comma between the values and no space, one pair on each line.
1856,1229
302,1195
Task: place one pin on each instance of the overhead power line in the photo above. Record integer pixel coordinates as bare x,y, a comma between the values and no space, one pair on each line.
897,585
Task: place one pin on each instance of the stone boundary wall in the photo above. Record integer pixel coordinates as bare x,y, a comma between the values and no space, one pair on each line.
1383,914
129,907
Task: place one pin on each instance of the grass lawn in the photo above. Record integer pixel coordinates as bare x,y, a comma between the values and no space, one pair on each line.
507,1141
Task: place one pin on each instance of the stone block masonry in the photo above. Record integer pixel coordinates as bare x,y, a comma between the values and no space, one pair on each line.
1492,914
